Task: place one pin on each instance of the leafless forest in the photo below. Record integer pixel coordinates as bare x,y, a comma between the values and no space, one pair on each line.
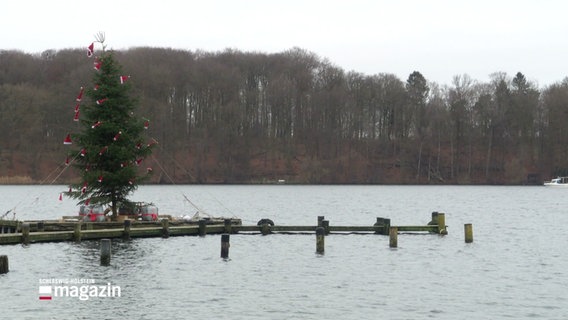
250,117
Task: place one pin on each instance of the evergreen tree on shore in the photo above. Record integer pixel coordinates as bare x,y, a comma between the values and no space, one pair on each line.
111,144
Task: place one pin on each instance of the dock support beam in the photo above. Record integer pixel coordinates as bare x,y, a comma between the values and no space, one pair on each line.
105,252
225,245
320,240
4,268
468,229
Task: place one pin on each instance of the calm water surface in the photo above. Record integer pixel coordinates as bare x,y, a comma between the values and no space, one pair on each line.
515,269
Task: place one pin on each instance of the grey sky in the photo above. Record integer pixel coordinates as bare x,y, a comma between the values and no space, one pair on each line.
439,38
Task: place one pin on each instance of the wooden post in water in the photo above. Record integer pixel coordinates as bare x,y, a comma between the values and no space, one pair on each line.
228,225
320,240
325,225
386,228
77,232
4,268
41,226
468,228
380,223
126,234
202,227
320,219
393,237
26,233
225,245
165,228
442,224
105,252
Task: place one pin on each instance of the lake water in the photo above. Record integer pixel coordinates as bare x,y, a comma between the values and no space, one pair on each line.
516,268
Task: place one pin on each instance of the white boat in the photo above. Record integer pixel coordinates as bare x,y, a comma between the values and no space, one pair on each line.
557,182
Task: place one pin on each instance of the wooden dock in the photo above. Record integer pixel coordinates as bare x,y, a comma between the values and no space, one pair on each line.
26,232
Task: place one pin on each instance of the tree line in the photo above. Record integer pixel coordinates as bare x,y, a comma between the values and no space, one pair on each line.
239,117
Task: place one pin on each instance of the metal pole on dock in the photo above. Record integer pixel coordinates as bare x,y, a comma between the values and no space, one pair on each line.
26,233
4,264
468,229
393,237
225,245
320,240
105,252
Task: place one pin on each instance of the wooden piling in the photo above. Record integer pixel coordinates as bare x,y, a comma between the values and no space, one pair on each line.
225,245
228,224
126,234
202,227
325,225
165,228
77,232
105,252
41,226
26,233
387,225
320,219
4,268
442,224
393,237
320,240
468,230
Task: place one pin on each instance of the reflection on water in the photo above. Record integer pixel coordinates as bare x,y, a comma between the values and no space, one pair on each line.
516,267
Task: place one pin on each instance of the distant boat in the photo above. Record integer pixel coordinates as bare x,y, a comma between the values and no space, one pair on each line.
557,182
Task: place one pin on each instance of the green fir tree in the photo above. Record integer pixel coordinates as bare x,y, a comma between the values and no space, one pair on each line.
111,144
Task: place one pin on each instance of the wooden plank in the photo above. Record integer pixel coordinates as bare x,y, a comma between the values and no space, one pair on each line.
430,228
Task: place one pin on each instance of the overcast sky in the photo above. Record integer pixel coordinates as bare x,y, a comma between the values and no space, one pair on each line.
439,38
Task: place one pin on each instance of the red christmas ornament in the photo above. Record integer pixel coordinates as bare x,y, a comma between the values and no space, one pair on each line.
123,79
76,117
103,150
101,101
117,136
80,95
68,139
90,50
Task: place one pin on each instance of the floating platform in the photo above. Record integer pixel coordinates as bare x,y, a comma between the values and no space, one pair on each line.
26,232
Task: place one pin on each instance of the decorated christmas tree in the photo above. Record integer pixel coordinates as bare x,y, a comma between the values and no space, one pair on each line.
111,145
